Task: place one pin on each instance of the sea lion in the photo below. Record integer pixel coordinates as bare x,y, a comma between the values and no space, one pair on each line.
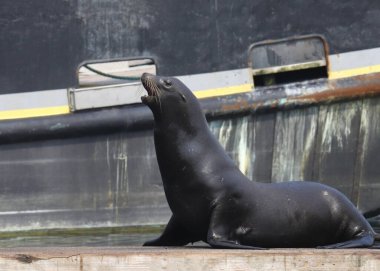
213,201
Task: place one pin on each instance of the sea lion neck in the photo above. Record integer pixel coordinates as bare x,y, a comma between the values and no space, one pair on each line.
185,120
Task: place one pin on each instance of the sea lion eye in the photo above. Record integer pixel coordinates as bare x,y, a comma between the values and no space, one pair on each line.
168,83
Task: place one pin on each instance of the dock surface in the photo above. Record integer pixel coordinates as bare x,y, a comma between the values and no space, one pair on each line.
139,258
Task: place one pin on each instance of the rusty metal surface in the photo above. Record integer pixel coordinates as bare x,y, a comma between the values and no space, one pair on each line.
320,91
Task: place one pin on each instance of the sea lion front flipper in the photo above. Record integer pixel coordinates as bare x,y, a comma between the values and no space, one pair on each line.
218,241
173,235
218,234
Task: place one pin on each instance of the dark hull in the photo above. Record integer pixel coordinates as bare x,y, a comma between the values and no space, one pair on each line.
97,168
107,175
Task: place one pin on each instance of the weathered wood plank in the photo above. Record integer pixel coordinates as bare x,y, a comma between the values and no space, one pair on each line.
242,144
262,143
249,141
234,135
337,141
109,259
294,144
367,190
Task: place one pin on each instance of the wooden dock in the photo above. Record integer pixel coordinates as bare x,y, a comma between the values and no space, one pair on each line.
157,259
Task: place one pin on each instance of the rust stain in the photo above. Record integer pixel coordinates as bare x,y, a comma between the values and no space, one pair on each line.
333,93
356,87
241,104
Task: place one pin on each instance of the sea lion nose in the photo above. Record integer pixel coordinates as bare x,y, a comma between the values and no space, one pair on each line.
146,75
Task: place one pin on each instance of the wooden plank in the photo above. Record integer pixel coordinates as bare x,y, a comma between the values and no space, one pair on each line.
367,190
235,136
109,259
262,147
294,144
337,141
249,142
242,144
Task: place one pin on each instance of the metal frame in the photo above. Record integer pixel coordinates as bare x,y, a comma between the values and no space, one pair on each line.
279,41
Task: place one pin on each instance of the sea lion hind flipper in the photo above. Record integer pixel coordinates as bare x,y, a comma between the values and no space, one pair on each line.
173,235
363,240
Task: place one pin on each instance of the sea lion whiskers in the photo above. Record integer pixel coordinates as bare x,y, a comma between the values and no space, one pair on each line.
155,92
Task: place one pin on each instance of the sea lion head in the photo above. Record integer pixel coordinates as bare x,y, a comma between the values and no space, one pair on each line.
168,97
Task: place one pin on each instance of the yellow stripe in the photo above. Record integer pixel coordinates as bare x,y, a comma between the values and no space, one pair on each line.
353,72
34,112
200,94
59,110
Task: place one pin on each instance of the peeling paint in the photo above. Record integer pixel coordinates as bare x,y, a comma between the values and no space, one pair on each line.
241,137
222,131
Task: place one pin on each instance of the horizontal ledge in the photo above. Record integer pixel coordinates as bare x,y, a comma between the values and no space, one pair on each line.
186,258
294,95
137,117
290,67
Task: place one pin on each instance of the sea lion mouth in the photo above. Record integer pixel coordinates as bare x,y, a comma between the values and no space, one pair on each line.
148,81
